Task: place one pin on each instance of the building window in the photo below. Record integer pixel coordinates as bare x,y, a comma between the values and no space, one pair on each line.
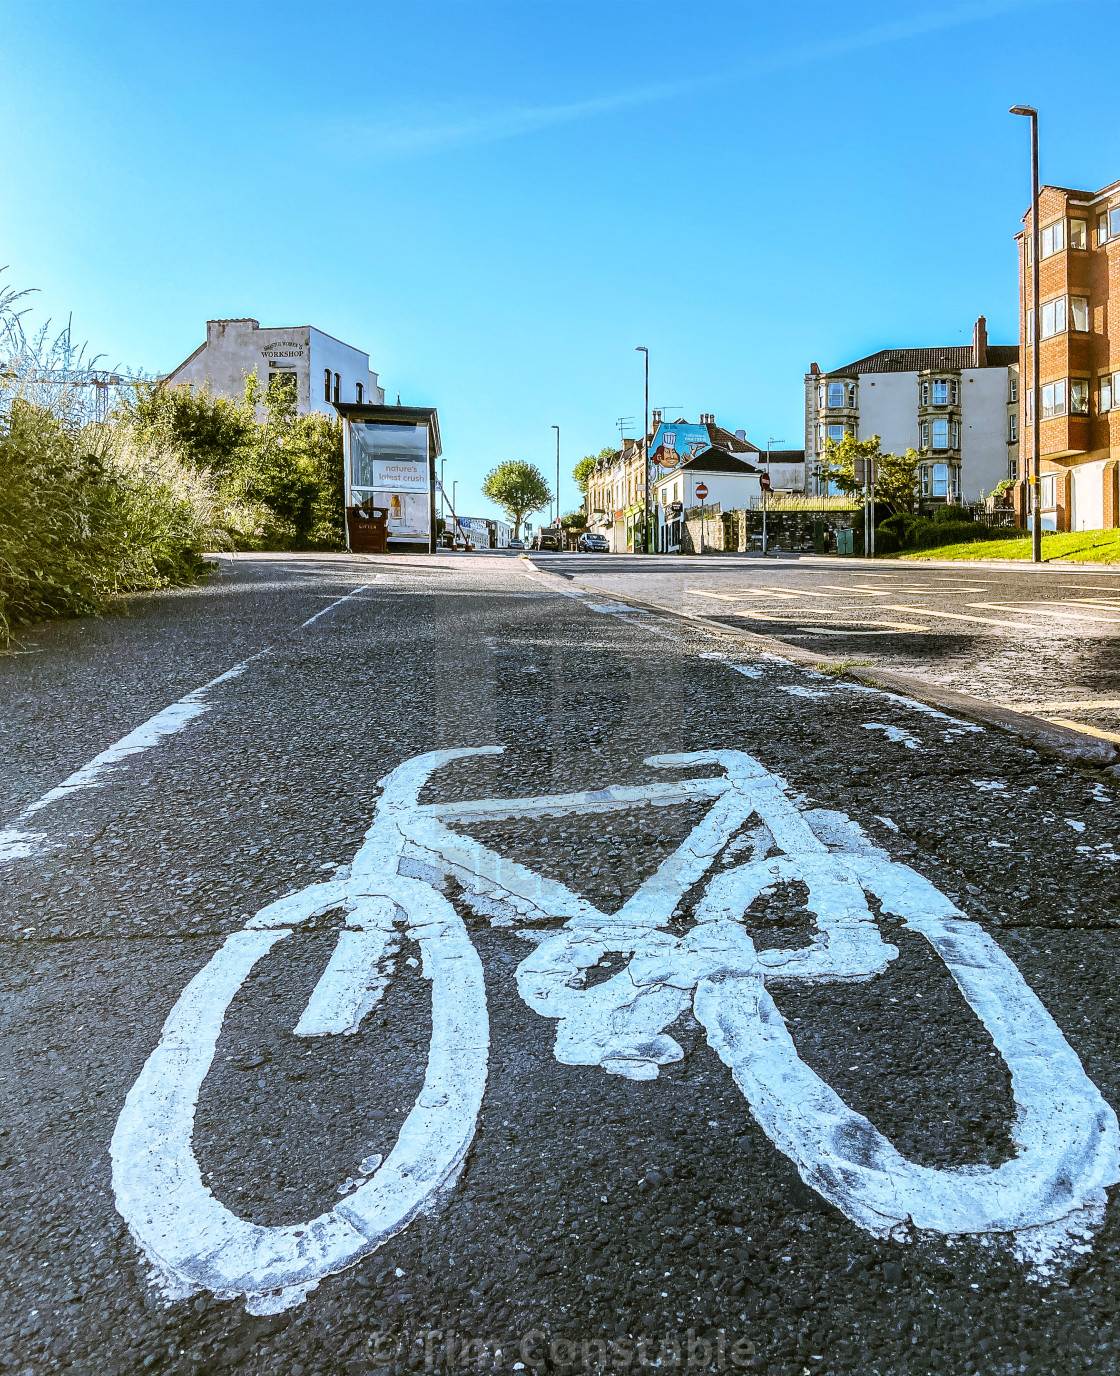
337,388
1052,238
836,433
821,396
925,393
1046,491
1012,428
358,391
1053,317
1078,234
940,435
1079,312
940,477
955,392
1114,222
1012,388
955,431
326,384
1102,229
923,440
1079,396
1105,400
1054,399
852,394
820,438
941,392
836,394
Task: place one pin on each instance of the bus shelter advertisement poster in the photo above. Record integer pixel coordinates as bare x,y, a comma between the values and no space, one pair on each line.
389,467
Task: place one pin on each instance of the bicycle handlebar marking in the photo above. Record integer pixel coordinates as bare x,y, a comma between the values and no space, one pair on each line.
1047,1197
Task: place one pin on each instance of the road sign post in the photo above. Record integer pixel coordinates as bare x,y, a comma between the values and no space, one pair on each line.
764,488
701,493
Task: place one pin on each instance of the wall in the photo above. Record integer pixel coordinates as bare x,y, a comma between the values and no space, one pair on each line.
351,364
888,407
984,393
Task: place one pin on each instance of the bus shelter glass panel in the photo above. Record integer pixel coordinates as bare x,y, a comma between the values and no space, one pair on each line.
389,468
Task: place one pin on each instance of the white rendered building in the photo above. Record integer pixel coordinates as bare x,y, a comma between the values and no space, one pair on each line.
320,369
957,406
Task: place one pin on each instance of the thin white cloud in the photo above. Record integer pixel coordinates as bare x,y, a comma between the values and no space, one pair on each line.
432,132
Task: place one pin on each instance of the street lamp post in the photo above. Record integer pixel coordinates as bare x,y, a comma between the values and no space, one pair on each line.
1036,399
641,349
557,429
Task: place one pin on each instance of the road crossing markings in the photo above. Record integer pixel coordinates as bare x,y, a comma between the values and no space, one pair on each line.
1060,611
957,616
1086,704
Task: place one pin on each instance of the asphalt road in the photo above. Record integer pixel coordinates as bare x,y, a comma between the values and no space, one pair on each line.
832,1093
1037,640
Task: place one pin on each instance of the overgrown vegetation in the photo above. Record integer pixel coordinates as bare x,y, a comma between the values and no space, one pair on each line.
949,525
93,505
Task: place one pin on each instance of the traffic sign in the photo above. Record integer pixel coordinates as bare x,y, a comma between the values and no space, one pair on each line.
764,481
701,491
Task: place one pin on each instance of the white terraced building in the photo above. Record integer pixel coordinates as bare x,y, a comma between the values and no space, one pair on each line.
958,406
320,369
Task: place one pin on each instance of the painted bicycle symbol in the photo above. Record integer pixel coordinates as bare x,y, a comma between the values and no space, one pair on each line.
752,837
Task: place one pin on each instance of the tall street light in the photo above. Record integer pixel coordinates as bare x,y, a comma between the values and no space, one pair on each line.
557,429
641,349
1036,399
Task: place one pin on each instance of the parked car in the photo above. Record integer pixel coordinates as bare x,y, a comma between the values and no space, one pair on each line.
591,543
516,544
549,538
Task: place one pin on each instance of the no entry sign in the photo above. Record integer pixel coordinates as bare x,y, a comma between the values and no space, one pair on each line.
701,491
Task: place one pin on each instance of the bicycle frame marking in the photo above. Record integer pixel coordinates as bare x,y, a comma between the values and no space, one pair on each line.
1047,1197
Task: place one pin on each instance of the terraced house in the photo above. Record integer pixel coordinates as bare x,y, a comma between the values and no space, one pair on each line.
957,405
1079,355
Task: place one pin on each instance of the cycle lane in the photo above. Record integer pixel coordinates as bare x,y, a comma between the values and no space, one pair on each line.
573,1173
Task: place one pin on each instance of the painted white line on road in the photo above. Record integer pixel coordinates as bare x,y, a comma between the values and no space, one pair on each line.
332,606
16,843
1056,611
958,616
893,733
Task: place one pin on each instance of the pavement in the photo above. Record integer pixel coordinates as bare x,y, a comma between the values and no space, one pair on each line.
796,1054
1042,640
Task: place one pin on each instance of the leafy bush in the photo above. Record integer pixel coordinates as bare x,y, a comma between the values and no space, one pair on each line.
886,542
952,515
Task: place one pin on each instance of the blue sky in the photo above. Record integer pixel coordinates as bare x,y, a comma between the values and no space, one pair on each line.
500,201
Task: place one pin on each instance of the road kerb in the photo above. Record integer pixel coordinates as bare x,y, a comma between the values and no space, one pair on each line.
1046,736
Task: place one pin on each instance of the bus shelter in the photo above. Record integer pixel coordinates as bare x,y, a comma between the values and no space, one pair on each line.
389,458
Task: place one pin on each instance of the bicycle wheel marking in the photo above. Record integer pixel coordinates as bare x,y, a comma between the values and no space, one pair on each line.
1049,1196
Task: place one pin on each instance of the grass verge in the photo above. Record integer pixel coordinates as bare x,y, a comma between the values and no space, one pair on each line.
1081,546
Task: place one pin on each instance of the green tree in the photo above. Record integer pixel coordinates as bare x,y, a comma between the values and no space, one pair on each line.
586,466
574,520
207,430
519,488
897,481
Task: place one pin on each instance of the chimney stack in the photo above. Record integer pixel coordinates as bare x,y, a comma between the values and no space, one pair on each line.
656,417
980,343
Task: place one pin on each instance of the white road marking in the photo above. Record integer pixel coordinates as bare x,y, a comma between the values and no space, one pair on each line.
1046,1199
958,616
893,733
16,843
1059,611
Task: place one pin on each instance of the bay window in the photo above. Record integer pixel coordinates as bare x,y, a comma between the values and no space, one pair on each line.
1053,317
940,392
1079,396
1078,234
955,432
836,394
1052,238
1104,402
1079,312
955,392
836,433
940,433
1114,222
940,478
1054,399
1102,229
923,435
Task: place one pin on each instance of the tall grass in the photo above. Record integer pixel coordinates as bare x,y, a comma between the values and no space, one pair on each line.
88,508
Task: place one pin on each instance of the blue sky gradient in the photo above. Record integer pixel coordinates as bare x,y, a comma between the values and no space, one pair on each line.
500,201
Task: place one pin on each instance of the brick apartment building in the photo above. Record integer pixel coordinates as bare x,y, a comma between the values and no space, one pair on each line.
1079,356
